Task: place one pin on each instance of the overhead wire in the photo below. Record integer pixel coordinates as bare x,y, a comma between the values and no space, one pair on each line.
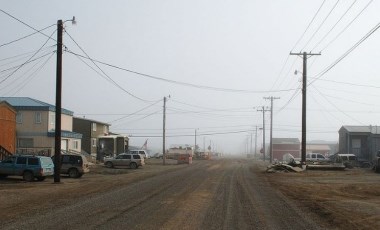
32,75
17,58
12,73
8,88
4,71
320,26
105,74
348,25
26,36
332,28
318,76
294,95
308,26
184,83
352,118
31,27
128,115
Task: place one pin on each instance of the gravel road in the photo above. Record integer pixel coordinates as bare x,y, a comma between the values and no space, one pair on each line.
220,194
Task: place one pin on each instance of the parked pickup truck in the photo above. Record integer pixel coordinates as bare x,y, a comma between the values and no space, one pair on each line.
27,166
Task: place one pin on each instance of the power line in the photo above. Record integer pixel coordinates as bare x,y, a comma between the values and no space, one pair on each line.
347,83
183,83
341,17
312,20
32,75
345,54
128,115
27,60
320,26
337,107
27,25
345,28
108,77
26,36
23,54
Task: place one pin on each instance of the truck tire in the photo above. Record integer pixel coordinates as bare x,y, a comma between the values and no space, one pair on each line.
28,176
133,165
73,173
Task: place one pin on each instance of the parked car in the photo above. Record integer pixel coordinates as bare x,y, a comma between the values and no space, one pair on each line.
140,151
74,165
125,159
350,160
27,166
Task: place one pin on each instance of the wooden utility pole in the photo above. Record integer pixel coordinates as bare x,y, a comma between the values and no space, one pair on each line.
163,133
255,141
195,141
58,105
271,127
304,84
263,110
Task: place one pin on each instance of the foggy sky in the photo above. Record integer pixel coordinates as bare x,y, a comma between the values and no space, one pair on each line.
221,59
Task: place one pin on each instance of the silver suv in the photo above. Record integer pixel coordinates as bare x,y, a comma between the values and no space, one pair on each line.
125,159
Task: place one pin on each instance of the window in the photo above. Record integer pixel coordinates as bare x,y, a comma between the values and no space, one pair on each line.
93,126
65,159
21,161
25,142
128,157
320,156
38,118
105,129
33,161
19,118
136,157
75,145
93,142
52,119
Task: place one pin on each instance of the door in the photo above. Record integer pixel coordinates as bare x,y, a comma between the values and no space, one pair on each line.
7,166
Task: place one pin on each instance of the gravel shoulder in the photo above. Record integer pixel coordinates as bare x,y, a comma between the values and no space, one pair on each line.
348,199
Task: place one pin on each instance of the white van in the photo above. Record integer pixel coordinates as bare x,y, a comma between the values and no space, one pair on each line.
140,151
315,157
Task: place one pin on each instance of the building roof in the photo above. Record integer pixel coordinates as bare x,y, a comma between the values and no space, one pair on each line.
374,129
93,121
285,141
27,103
4,103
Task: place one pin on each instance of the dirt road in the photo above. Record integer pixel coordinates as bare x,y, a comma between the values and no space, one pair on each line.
223,194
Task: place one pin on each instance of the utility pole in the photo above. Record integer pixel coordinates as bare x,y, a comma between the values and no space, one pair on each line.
304,84
58,105
195,141
263,110
250,148
271,127
163,133
256,141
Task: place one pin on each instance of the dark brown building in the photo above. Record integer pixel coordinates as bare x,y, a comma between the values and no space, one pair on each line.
91,130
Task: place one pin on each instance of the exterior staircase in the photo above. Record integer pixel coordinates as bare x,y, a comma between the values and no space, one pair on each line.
4,153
